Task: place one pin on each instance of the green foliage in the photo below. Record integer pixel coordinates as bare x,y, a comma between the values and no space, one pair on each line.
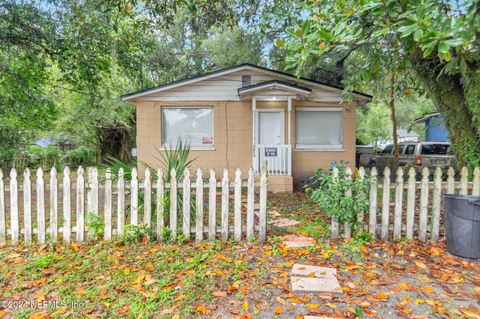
176,158
95,225
80,156
135,233
44,157
330,193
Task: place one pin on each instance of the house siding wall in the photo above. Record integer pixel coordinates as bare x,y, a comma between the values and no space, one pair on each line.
233,137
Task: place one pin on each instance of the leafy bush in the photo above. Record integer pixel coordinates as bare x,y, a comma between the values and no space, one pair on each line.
80,156
330,193
44,157
95,225
133,233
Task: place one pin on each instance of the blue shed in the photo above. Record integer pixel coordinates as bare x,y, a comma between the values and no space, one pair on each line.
435,130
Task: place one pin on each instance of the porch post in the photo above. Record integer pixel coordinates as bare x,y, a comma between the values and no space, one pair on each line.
254,107
289,119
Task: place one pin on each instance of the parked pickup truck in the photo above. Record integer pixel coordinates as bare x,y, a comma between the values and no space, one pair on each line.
417,155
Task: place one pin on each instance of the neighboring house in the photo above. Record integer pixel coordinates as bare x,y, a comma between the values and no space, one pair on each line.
406,136
245,114
435,130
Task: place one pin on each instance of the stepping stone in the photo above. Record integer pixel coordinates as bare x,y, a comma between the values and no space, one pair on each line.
317,317
313,271
284,222
306,285
294,241
274,213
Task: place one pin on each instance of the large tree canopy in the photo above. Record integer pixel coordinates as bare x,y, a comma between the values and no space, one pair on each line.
432,43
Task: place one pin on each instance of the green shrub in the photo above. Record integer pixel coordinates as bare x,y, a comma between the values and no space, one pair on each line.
44,157
80,156
330,194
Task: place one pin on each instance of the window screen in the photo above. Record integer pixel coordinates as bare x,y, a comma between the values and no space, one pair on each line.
317,128
190,125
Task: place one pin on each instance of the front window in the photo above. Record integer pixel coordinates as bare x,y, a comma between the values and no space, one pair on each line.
192,125
319,128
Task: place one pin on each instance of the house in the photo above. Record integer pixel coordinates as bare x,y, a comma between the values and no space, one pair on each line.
243,115
435,130
406,136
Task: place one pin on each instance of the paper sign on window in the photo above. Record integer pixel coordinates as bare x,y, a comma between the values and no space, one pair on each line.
207,140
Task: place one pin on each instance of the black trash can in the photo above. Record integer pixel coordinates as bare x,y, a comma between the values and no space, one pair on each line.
462,225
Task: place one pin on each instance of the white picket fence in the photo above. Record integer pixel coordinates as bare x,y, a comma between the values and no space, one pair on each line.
86,192
417,206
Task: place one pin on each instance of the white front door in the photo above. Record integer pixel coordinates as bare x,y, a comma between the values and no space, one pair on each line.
270,127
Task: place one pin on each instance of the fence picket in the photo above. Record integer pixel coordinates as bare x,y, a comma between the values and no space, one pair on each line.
14,227
53,204
476,182
411,193
238,205
262,220
212,205
186,203
335,224
67,230
107,234
40,207
199,207
160,209
437,198
95,187
385,204
147,199
361,215
347,227
173,203
225,205
120,202
80,228
422,231
397,220
134,198
372,220
250,204
27,206
464,181
451,181
3,230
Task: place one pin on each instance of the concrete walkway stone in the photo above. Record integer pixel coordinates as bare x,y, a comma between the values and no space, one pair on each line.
313,271
284,222
306,285
295,241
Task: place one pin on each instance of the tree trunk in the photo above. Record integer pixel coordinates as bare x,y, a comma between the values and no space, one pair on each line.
394,121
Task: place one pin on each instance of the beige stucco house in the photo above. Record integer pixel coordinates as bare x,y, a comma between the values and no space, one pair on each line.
246,114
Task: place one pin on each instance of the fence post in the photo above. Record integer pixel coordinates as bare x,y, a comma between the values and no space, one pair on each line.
134,198
250,204
66,205
107,235
262,220
347,227
212,205
385,204
476,182
95,190
186,203
53,204
147,200
160,208
40,207
14,206
199,207
173,203
27,206
120,202
422,232
80,229
225,204
361,215
335,225
437,199
372,220
411,193
238,205
451,181
464,181
3,230
397,221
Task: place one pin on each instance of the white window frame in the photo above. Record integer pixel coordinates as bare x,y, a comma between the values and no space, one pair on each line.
167,146
320,147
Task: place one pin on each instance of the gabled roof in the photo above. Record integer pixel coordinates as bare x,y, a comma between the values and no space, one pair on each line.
426,117
274,84
240,67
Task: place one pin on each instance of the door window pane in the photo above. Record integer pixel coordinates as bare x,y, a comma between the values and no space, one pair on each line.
319,129
189,125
